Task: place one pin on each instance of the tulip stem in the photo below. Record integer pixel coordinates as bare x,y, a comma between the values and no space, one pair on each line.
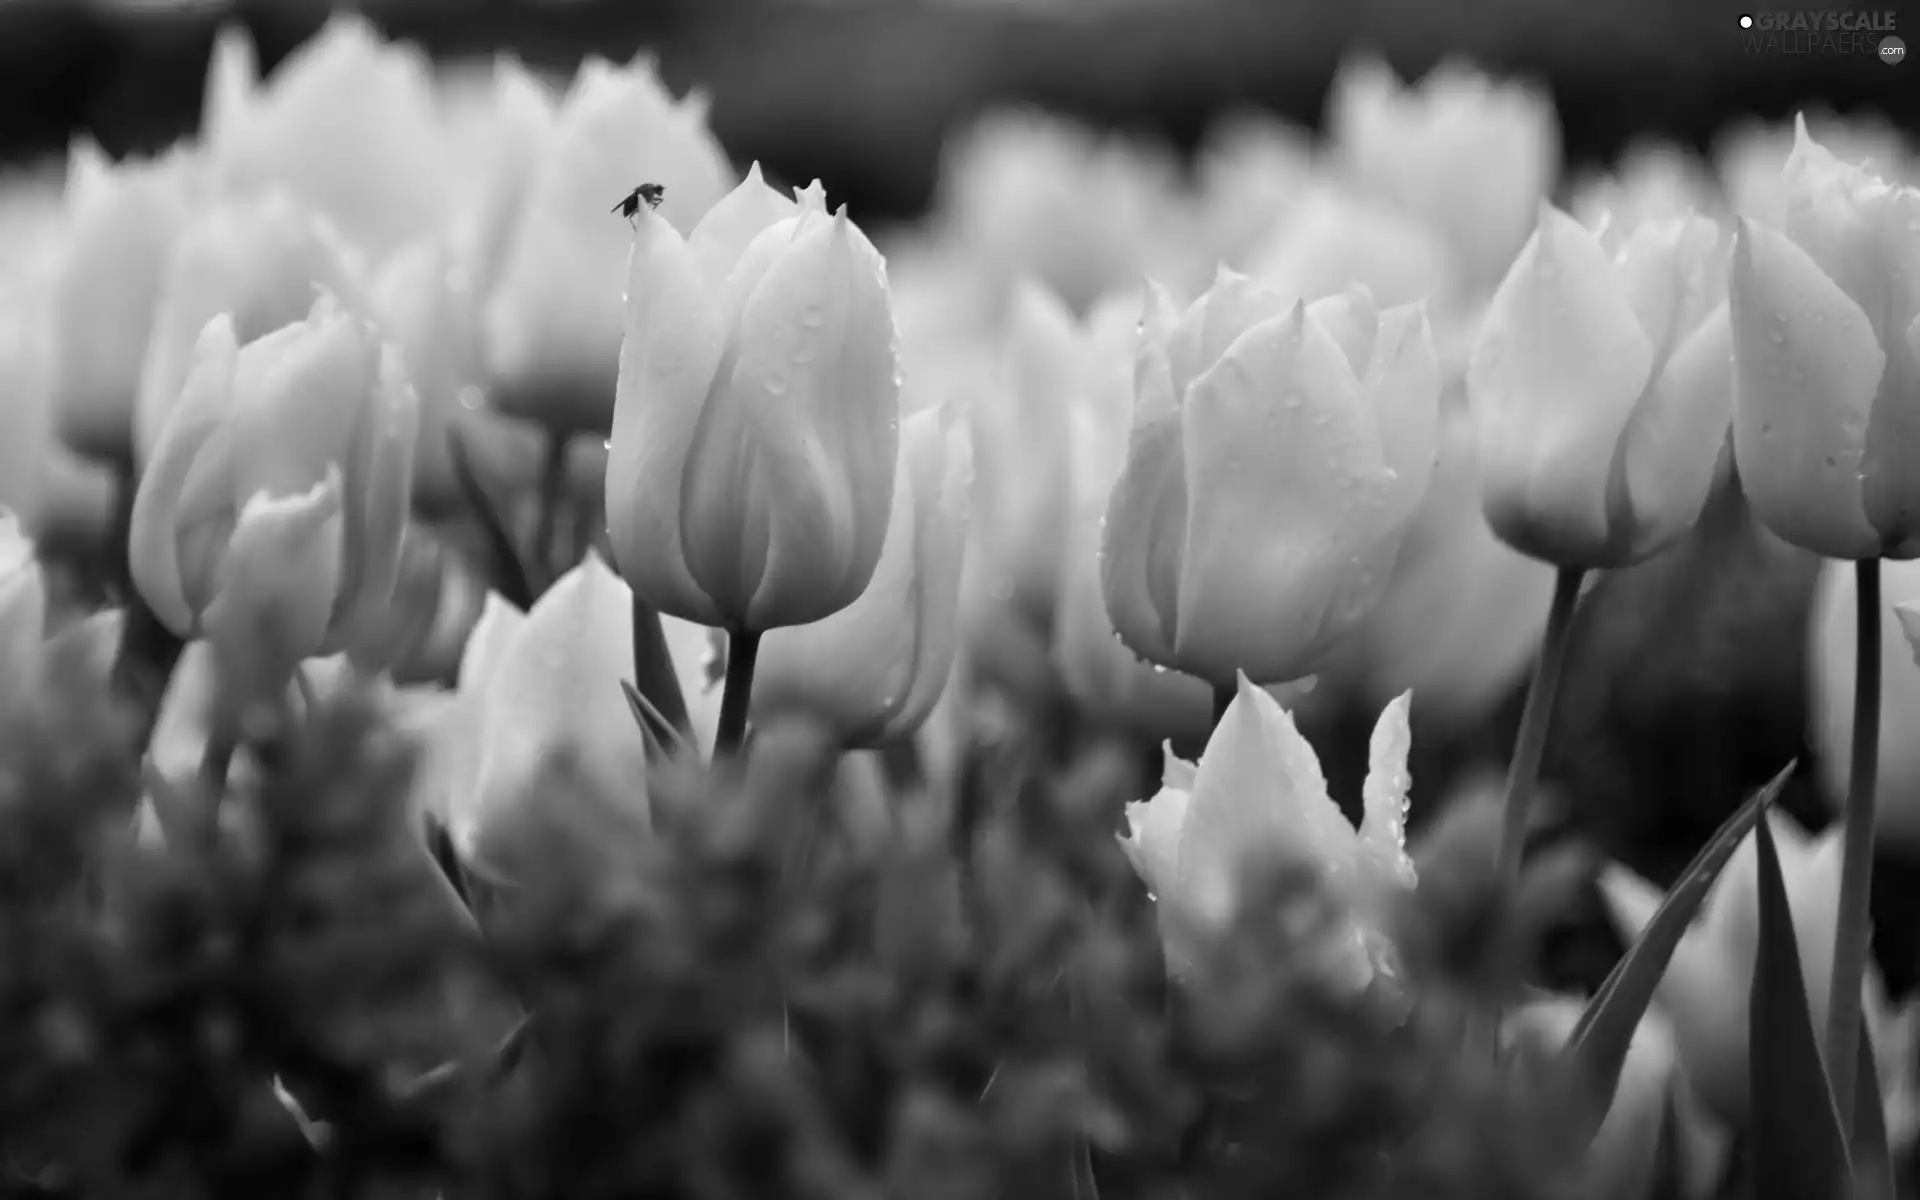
743,650
1222,700
1852,935
553,478
1530,744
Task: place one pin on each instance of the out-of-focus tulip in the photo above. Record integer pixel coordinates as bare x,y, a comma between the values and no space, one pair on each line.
1472,157
1463,612
26,387
552,319
1257,799
260,261
873,670
1748,156
347,124
1335,237
1653,1101
23,614
1830,671
1251,168
1826,336
1600,386
1278,454
540,700
1704,990
1651,182
282,469
1045,197
122,222
421,309
495,142
754,444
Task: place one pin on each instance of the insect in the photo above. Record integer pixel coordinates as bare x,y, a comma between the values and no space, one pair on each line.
650,194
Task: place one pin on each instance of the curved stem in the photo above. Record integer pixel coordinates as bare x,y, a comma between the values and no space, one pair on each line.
1530,744
743,650
1853,931
553,479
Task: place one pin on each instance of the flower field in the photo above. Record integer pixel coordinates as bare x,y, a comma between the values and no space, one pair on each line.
540,659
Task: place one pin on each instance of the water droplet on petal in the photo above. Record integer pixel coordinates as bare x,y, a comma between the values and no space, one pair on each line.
776,385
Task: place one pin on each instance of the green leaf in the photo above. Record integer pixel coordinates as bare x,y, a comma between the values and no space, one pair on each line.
1872,1152
510,570
1597,1048
1799,1151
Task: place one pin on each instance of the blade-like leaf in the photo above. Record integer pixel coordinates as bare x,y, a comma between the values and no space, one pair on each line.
1872,1153
510,570
658,731
1597,1048
1799,1151
653,671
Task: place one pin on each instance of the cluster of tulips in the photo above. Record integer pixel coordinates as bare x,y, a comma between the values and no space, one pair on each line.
1356,416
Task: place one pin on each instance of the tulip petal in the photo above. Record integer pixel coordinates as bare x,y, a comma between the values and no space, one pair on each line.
1806,370
23,613
1553,379
667,362
1384,803
1909,615
1353,321
276,588
1671,446
1278,436
1154,395
1891,486
152,557
1152,843
1145,535
1234,304
730,226
1402,375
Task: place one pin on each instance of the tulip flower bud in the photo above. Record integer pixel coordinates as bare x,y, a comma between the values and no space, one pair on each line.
26,391
1831,654
347,124
1470,157
752,465
539,694
23,615
1334,238
1826,335
121,221
1600,387
260,261
873,670
1704,990
496,142
1256,797
1652,182
552,321
290,456
1277,456
1748,155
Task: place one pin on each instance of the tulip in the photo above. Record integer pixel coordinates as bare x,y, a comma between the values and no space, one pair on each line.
874,669
1334,237
346,124
1463,612
752,465
1652,1102
540,700
1277,456
26,389
552,321
272,512
260,261
1250,167
23,615
1704,990
1748,156
1257,798
1826,335
1470,157
1652,182
496,141
122,219
1600,389
1831,631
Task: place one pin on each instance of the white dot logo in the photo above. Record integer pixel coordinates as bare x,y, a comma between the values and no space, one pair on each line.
1746,22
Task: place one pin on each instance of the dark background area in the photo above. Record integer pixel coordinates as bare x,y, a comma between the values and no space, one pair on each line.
863,92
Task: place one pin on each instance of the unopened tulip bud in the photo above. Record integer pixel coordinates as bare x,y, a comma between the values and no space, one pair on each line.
552,323
1601,389
873,670
281,416
754,443
1826,336
1278,454
277,581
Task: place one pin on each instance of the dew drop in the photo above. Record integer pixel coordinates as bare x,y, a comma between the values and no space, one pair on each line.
776,385
1777,336
811,317
607,444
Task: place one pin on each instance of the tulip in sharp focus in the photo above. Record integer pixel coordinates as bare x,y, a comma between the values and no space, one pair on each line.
121,221
754,443
1831,652
260,261
552,320
1826,335
1600,385
874,669
1278,453
1471,157
1704,990
1257,799
540,701
272,511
